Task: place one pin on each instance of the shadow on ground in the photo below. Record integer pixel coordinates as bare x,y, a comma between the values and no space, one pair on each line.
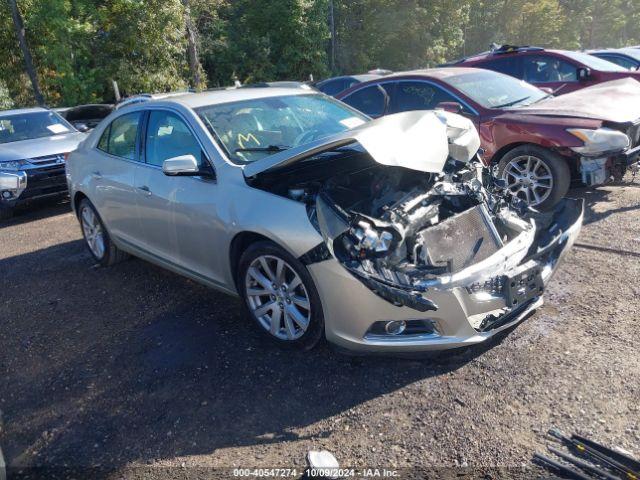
105,366
593,196
37,211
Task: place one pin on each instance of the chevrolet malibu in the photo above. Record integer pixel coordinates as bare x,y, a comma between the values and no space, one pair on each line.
384,235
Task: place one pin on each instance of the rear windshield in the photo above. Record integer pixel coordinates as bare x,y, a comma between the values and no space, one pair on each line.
27,126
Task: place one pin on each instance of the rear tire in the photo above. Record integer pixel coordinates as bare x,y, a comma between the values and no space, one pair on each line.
279,296
536,175
96,236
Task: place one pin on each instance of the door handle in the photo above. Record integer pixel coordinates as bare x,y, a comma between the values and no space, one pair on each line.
96,175
145,190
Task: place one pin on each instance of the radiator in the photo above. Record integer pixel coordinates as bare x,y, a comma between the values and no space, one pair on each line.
460,241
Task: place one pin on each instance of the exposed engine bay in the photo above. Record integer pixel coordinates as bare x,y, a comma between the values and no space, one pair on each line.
400,226
403,231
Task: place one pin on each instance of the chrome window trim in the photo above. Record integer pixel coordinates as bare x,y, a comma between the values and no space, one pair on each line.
419,80
142,111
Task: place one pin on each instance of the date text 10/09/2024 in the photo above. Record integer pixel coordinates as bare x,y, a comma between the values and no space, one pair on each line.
316,472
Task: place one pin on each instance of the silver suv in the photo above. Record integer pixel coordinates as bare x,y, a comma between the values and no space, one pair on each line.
33,144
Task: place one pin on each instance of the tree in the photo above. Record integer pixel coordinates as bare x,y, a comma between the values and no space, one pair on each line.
267,40
26,53
140,44
397,35
70,50
192,49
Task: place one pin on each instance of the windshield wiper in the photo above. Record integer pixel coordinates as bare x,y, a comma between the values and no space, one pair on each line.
548,95
510,104
268,148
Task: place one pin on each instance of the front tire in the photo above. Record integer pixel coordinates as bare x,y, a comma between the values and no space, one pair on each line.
536,175
280,296
96,236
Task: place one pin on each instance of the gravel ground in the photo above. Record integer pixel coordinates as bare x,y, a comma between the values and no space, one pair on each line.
139,372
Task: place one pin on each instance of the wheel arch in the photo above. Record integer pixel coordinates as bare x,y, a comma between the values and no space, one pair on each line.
502,151
238,246
77,198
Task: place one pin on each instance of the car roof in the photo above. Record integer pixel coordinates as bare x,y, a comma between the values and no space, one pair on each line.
605,50
440,73
362,77
508,51
629,51
195,100
19,111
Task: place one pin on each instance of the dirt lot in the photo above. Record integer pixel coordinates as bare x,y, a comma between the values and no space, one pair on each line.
136,370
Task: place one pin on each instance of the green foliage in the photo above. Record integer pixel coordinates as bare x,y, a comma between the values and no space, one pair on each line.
267,40
397,35
80,46
5,99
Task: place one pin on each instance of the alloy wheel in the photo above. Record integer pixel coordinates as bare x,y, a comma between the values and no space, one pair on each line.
529,178
277,297
92,229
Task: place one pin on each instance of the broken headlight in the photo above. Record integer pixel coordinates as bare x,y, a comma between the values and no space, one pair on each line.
366,240
599,141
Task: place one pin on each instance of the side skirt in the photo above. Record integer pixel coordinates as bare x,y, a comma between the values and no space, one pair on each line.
161,262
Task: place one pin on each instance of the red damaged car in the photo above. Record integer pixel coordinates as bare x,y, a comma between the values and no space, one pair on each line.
560,71
539,143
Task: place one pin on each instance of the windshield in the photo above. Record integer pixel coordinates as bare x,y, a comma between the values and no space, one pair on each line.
26,126
595,63
253,129
630,52
496,90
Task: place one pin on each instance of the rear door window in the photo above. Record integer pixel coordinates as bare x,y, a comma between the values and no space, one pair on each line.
120,138
507,65
371,100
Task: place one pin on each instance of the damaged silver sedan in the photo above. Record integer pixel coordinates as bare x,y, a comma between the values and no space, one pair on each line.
385,235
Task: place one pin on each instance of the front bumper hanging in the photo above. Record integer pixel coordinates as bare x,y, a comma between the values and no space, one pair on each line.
467,307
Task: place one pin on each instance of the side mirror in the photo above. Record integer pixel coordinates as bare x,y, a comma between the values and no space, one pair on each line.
452,107
81,127
583,73
182,166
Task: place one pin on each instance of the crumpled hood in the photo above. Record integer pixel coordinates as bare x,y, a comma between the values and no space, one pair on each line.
418,140
40,147
616,101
